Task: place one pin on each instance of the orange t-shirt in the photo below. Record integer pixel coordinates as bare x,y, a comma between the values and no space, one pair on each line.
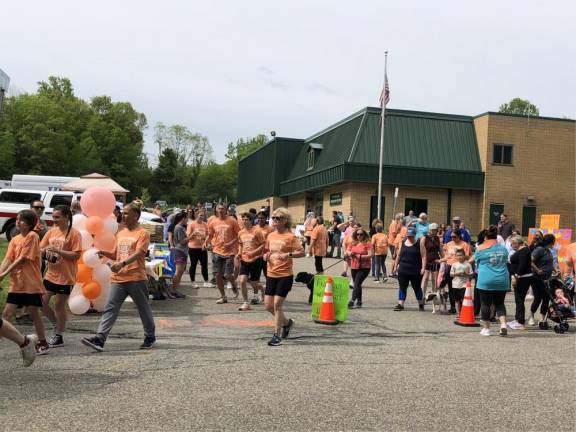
393,231
266,229
127,243
320,237
251,240
200,231
450,251
400,237
224,236
281,243
347,242
63,271
380,243
27,278
571,259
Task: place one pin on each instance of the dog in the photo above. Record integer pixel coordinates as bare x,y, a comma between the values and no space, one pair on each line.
308,280
438,299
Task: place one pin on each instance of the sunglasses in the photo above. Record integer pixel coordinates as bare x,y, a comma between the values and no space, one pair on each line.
277,217
453,237
38,207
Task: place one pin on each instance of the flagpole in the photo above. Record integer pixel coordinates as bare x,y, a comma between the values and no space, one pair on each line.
380,215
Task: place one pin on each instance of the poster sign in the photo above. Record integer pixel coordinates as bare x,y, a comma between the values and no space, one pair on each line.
563,240
550,221
335,199
340,295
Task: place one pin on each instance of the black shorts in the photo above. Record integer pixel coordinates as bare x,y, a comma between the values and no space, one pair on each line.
433,267
308,239
458,294
251,269
278,286
57,289
24,299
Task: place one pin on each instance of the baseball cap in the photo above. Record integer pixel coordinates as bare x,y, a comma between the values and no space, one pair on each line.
457,218
433,226
411,232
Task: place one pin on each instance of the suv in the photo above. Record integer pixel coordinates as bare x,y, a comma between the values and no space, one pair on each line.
14,200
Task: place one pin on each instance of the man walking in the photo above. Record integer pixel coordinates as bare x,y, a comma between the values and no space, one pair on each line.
128,279
505,227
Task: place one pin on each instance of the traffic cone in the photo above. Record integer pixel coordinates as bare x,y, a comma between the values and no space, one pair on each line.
466,317
327,313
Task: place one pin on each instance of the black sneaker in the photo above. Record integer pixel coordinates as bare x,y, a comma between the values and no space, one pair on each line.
148,342
421,308
286,329
351,304
398,307
275,341
358,304
56,341
94,342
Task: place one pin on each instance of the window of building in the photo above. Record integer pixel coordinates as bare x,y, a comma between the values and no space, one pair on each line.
502,154
18,197
310,159
417,205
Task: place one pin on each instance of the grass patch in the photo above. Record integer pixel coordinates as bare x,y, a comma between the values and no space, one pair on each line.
4,291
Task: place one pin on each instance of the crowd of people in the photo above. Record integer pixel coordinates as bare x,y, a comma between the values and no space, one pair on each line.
438,262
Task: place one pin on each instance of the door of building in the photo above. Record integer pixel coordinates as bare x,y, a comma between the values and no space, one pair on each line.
374,208
528,219
495,211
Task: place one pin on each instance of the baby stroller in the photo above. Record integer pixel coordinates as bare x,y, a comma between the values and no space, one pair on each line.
554,312
160,270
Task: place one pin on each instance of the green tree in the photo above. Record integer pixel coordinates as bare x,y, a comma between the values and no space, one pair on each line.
215,183
520,106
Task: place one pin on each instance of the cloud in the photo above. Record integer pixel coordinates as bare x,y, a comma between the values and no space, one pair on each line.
317,87
265,70
279,85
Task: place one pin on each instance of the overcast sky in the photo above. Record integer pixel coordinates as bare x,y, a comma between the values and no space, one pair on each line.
232,69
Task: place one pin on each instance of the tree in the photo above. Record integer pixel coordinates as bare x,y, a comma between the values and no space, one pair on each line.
215,182
520,106
244,147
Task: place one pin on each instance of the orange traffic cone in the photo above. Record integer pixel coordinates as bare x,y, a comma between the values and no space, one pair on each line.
466,317
327,313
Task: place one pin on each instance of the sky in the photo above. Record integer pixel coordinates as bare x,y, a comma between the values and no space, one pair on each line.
231,69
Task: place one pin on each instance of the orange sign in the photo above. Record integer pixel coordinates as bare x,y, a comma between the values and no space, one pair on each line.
560,251
550,222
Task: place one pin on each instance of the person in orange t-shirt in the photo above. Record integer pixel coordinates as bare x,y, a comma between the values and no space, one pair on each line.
319,244
61,246
22,263
251,250
223,236
198,231
266,229
393,230
128,279
281,246
380,244
309,225
450,249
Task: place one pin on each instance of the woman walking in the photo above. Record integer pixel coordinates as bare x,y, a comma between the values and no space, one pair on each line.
280,247
522,278
251,248
491,259
408,265
542,268
380,245
360,252
309,225
431,250
61,246
180,239
196,231
22,263
319,244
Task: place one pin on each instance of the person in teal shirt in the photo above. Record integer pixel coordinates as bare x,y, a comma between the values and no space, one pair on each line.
491,260
422,226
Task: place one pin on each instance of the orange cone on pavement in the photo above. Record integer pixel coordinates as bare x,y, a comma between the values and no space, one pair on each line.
466,317
327,313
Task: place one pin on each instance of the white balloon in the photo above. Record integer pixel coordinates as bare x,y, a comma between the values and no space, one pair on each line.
78,304
91,258
101,274
102,300
79,222
87,240
110,225
77,290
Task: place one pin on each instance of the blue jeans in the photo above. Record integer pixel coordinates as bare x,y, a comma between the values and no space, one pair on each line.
379,262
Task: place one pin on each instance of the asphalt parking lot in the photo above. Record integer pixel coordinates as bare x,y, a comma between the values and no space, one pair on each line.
212,370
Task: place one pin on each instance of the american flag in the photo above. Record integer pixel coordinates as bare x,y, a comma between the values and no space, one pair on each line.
385,94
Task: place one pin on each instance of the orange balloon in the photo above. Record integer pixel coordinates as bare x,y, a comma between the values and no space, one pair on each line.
94,225
105,241
91,290
80,260
84,274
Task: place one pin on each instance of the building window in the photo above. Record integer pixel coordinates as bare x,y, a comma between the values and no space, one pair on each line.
502,154
417,205
310,159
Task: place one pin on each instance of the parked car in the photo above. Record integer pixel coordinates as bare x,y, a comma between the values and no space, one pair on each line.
14,200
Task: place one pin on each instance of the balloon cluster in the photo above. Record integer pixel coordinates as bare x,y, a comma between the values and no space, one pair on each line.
97,226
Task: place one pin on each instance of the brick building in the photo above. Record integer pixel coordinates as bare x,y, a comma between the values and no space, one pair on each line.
445,165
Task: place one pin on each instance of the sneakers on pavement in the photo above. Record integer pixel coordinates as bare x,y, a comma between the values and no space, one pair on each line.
286,329
222,300
275,341
94,342
531,321
148,342
28,351
503,331
485,332
421,307
42,348
351,304
255,300
398,307
56,341
235,291
245,307
207,285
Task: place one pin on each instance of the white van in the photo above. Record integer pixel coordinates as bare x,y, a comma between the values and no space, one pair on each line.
14,200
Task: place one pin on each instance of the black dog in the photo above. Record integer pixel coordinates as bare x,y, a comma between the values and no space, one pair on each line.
308,280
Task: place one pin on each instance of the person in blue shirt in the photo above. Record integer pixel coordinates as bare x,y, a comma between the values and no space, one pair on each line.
457,223
422,226
491,259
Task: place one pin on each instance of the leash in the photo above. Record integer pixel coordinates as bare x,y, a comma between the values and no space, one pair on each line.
337,262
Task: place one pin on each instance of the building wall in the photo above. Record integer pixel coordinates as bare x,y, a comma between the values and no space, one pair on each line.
543,166
296,205
273,202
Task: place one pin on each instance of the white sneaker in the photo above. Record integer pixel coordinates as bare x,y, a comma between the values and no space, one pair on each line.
531,321
228,285
29,351
485,332
513,324
208,285
529,296
245,307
